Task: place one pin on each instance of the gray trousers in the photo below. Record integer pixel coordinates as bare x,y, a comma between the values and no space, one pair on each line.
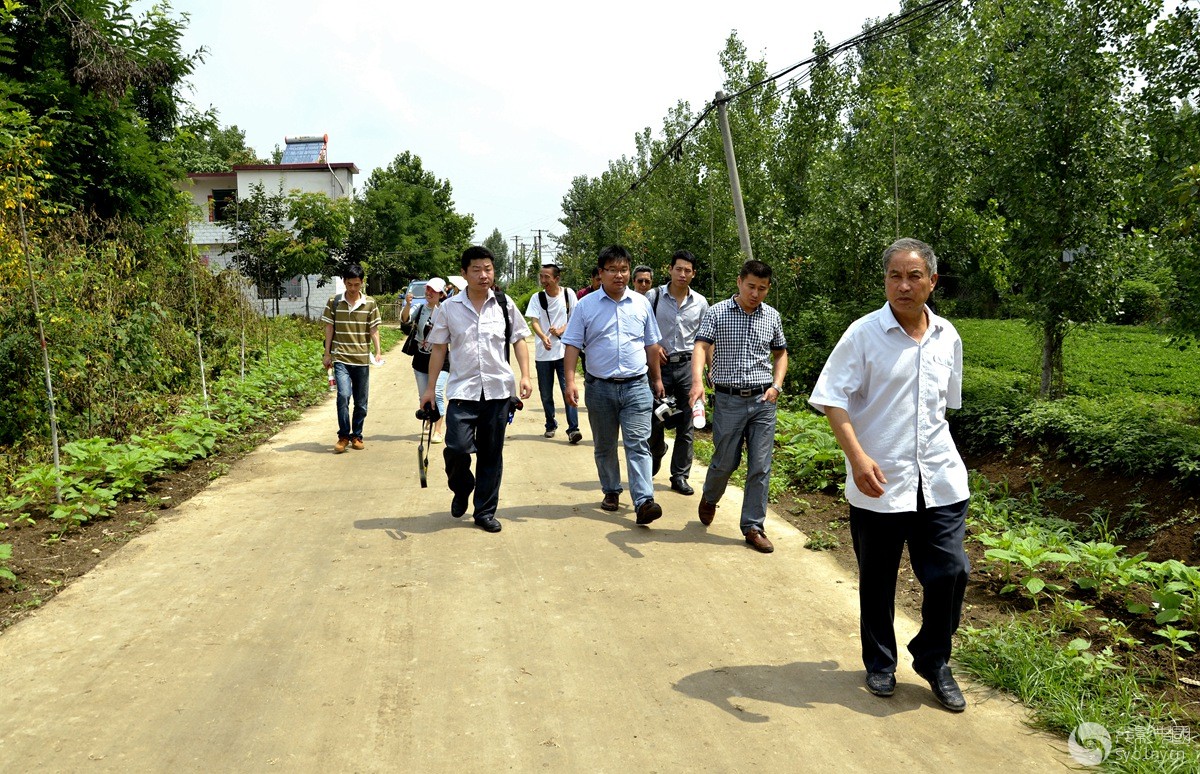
736,421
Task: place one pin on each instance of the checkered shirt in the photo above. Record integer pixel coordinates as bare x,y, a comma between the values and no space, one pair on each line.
742,343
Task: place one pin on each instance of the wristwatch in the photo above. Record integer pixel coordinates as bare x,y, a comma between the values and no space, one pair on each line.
777,388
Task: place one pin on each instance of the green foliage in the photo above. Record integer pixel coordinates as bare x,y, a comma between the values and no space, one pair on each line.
405,225
807,455
106,84
5,555
200,144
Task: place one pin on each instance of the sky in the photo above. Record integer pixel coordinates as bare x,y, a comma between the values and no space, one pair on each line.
507,101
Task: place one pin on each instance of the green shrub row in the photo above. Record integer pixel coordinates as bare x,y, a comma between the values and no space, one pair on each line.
97,473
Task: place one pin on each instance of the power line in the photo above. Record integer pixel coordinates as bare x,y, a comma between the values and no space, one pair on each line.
892,26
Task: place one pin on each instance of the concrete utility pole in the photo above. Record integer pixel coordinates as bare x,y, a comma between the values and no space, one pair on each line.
537,247
512,265
735,185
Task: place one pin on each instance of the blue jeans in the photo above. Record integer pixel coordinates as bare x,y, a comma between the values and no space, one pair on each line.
737,420
935,548
546,369
626,407
352,381
439,388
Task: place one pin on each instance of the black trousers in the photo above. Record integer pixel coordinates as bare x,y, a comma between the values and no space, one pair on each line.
476,427
935,548
677,381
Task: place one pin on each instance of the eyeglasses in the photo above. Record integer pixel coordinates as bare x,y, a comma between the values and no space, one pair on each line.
623,270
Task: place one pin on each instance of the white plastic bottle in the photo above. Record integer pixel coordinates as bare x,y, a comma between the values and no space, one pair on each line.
698,414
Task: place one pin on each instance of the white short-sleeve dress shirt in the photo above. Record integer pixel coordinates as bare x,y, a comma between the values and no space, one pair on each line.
478,369
896,391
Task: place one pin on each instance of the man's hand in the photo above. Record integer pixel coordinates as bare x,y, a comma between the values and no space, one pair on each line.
696,393
657,387
571,393
428,397
526,388
546,340
662,355
867,476
558,331
327,360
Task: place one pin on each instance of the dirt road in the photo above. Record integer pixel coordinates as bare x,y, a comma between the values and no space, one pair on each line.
312,612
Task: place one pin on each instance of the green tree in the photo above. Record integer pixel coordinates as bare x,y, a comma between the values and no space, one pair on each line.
405,225
495,242
107,84
202,145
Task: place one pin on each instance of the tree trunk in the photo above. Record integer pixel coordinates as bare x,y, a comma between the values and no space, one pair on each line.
1053,333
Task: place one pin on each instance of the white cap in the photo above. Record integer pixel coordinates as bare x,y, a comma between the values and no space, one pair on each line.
436,284
459,282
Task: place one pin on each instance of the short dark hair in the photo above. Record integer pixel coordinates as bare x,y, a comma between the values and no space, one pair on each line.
683,255
757,268
476,253
595,272
643,268
352,271
552,267
612,253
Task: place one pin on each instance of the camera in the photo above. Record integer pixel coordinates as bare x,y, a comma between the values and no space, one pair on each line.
429,413
665,408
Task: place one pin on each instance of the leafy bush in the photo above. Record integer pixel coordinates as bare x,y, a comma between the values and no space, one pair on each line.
1139,301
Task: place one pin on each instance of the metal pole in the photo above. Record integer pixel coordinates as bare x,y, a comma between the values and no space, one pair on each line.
735,185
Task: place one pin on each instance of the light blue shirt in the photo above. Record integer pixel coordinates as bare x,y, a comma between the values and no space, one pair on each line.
615,334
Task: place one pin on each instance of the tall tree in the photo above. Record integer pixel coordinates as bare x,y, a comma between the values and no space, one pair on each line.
107,82
406,226
201,144
495,242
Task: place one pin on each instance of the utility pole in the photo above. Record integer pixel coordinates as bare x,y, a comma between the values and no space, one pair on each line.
512,265
537,248
735,185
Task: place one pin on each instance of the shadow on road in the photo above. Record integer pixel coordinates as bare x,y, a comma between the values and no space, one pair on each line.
629,540
801,684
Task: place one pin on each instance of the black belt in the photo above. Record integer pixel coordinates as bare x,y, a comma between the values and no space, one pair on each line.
618,379
679,357
742,392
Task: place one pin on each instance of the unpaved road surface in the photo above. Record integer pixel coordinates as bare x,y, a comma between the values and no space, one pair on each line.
313,612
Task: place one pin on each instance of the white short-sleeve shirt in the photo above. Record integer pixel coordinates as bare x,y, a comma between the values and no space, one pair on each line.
896,391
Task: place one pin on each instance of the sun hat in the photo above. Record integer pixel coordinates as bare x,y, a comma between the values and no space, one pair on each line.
436,284
459,282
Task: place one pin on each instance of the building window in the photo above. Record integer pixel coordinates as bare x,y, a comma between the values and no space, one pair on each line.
220,200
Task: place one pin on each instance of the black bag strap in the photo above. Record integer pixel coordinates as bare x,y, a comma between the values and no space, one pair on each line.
502,300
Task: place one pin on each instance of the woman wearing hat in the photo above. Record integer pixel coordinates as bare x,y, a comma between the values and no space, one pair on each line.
435,291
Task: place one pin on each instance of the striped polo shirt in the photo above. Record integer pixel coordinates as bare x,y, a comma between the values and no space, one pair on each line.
352,326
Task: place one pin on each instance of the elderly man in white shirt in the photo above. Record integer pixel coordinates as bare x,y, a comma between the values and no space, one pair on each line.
480,391
885,390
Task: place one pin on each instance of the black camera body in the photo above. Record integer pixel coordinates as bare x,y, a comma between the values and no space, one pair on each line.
429,413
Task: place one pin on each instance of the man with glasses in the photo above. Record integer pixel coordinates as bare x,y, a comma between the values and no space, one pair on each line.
616,326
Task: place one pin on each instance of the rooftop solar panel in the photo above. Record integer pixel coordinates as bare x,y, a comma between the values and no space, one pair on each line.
307,152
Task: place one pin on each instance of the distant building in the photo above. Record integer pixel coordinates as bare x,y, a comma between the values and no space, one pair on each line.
304,167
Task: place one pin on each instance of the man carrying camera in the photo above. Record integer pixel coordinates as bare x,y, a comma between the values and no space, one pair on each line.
678,310
478,324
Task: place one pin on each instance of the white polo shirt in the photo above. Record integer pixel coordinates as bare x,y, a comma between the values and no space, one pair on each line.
896,392
478,369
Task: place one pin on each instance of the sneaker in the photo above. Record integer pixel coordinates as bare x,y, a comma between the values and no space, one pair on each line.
357,444
436,438
341,445
548,434
574,436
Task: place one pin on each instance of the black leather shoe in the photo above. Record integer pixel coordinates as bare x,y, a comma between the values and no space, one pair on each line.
458,506
945,689
648,511
488,524
681,486
881,683
574,436
611,501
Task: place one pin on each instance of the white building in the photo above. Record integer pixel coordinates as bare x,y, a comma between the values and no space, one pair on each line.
304,168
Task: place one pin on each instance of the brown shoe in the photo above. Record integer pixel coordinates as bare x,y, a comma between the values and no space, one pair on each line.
707,511
758,541
357,444
611,501
341,445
